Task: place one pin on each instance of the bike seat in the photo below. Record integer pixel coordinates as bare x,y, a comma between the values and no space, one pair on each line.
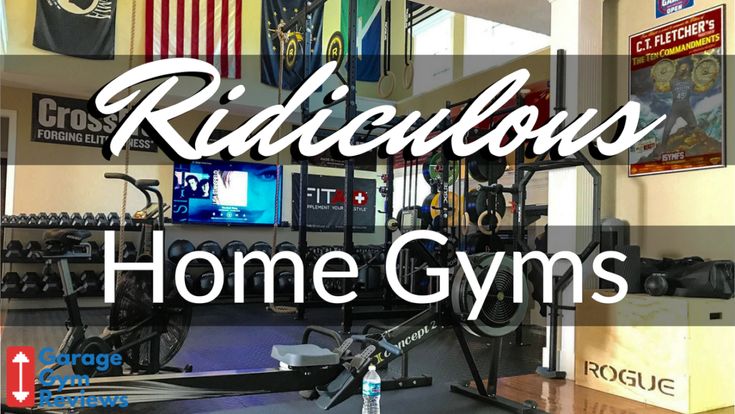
59,241
304,355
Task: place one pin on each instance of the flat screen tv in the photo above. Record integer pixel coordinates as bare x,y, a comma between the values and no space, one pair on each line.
225,192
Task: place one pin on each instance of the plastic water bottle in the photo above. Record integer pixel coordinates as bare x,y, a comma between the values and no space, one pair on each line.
371,392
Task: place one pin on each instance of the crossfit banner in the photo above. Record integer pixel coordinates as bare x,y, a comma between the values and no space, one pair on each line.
677,70
325,201
62,120
83,28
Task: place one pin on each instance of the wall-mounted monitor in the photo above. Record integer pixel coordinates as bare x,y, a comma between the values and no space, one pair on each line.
226,192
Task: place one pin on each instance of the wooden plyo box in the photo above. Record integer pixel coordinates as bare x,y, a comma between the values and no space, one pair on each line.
670,352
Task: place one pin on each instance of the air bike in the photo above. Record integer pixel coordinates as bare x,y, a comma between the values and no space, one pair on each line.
327,376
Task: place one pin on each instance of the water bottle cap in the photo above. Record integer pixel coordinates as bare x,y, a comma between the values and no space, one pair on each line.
371,367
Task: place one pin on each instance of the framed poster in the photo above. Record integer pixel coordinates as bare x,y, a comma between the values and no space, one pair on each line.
678,70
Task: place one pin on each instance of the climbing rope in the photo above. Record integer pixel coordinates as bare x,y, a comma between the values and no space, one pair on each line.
282,38
126,167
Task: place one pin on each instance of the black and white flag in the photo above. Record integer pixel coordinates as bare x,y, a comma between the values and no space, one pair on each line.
81,28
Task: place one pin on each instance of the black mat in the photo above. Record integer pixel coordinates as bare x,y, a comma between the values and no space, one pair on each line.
211,346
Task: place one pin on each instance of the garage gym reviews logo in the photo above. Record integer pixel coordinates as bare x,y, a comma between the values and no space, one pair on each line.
20,369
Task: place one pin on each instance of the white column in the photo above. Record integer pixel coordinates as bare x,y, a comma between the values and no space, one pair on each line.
576,27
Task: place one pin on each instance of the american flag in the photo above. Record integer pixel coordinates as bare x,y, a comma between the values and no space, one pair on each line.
210,30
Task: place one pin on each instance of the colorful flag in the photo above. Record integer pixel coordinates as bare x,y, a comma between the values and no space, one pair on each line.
209,30
369,29
274,12
81,28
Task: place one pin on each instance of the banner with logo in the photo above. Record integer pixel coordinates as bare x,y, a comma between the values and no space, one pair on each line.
678,70
369,29
273,13
81,28
325,201
62,120
667,7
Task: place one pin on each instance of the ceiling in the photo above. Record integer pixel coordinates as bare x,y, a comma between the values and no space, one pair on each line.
534,15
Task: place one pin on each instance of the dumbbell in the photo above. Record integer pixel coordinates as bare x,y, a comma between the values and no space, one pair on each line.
89,220
33,250
284,282
77,220
14,249
89,283
64,220
52,286
286,246
10,285
23,218
129,252
30,285
261,246
257,282
44,220
32,219
101,220
4,219
53,221
113,219
129,220
101,280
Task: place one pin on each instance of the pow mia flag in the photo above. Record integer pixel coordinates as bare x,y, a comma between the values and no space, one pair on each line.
81,28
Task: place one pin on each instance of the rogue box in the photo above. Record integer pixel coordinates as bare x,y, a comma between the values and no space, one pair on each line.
671,352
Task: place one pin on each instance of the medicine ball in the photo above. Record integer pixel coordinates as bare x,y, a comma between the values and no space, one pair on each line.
261,246
257,281
205,283
284,282
657,285
286,246
210,246
230,283
228,252
179,248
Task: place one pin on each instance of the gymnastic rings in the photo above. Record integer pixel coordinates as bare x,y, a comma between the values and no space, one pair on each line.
488,228
386,84
408,75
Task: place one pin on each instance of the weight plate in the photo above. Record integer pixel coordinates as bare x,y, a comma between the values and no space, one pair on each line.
485,169
433,170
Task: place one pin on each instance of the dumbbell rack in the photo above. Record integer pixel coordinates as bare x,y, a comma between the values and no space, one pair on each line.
50,302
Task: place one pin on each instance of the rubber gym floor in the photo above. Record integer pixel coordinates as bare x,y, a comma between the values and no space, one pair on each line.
240,337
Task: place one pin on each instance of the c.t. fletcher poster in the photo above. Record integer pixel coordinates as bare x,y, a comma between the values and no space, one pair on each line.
677,70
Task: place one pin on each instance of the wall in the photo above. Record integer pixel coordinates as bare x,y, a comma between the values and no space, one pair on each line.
696,198
44,183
